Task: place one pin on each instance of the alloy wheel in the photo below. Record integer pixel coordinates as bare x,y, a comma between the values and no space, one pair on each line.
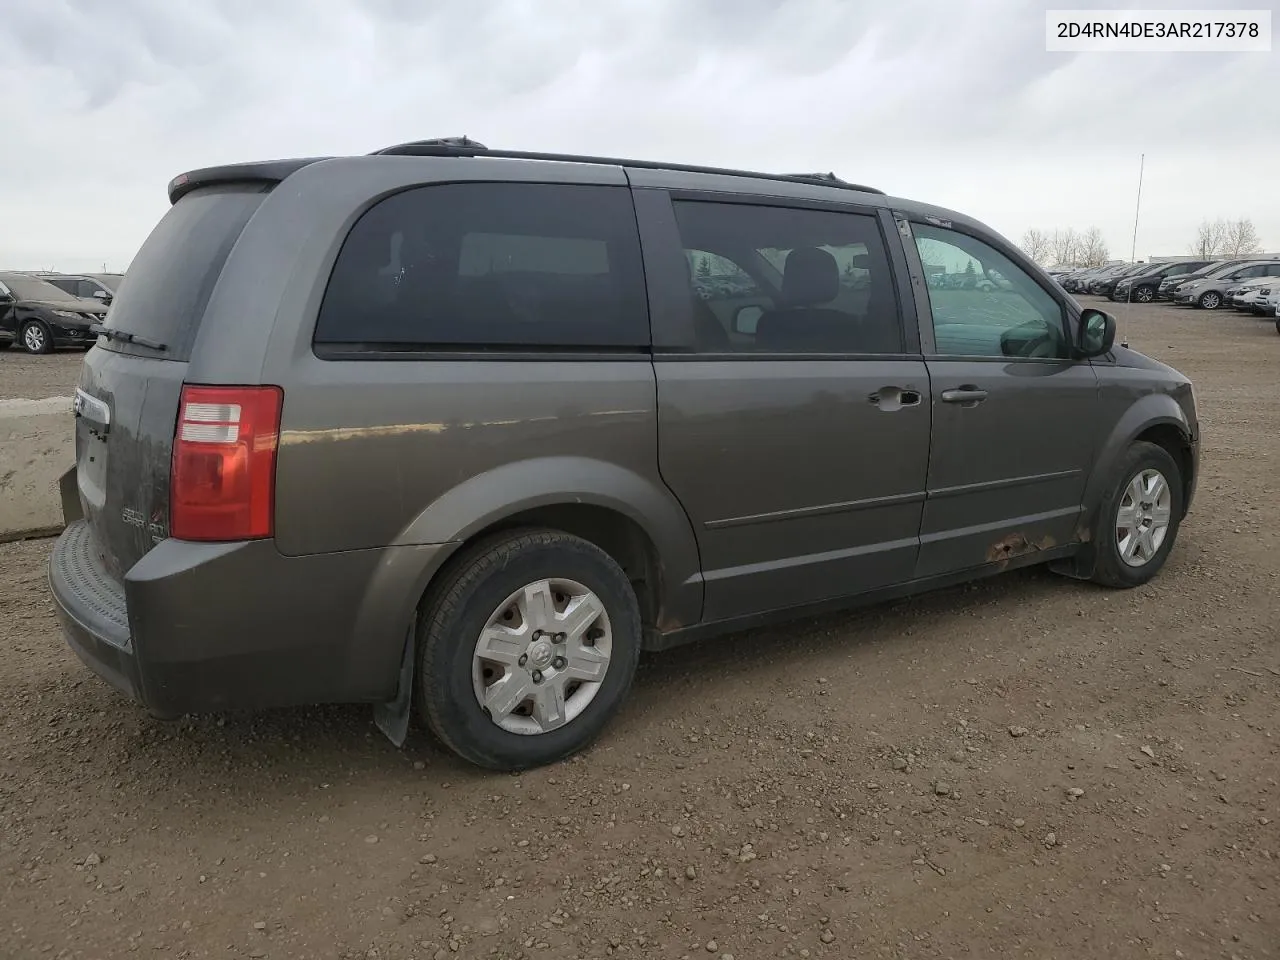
33,338
1142,519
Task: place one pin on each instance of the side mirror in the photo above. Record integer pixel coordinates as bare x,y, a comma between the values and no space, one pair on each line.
746,318
1096,333
6,296
100,295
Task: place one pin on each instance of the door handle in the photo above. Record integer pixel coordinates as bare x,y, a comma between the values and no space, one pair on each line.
966,395
890,399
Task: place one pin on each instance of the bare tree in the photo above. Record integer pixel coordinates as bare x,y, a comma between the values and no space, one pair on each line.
1240,238
1093,248
1210,238
1036,245
1065,247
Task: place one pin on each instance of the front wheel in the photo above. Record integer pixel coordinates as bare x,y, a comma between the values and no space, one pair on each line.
1211,300
1144,294
36,337
1139,517
527,649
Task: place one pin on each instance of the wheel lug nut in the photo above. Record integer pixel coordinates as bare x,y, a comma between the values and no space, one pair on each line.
559,663
524,658
537,676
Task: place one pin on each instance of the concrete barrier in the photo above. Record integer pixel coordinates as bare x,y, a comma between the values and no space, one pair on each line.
37,445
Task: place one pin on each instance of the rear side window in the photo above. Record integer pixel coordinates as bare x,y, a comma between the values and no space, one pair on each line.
490,265
778,280
172,277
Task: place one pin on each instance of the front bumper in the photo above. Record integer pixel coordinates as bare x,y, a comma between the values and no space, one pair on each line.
199,627
70,334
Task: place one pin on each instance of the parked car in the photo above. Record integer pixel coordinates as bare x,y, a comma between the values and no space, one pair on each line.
1143,287
448,428
1107,285
1170,284
1209,292
1078,282
1270,305
39,316
1094,286
1244,296
87,286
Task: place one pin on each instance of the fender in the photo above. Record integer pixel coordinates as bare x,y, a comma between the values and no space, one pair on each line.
513,488
489,498
1150,410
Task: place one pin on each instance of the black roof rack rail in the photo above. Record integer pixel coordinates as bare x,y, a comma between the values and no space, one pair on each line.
466,147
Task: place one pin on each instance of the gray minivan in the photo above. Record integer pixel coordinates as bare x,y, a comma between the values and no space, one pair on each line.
459,432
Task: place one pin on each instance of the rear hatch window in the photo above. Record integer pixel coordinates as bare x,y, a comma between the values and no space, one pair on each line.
168,284
131,392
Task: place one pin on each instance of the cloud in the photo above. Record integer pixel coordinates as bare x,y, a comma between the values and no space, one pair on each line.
956,104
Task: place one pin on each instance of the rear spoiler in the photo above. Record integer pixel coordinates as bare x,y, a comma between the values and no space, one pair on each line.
266,171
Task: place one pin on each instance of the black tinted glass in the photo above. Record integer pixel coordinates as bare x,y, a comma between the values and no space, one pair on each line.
491,265
172,277
788,280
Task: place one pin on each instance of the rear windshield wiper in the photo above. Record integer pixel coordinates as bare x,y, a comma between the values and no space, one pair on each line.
124,336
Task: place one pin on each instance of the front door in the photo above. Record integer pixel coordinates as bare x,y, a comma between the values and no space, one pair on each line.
1013,415
795,431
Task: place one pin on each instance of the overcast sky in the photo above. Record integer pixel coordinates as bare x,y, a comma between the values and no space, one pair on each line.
953,102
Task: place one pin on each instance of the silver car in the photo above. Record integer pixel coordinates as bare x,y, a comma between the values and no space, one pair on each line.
1210,292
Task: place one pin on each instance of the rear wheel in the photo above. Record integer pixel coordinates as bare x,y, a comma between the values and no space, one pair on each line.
527,649
1211,300
36,337
1138,519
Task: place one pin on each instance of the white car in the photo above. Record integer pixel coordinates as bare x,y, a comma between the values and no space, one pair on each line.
1245,295
1271,302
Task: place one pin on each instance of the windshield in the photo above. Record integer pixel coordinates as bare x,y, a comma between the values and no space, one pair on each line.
1219,269
31,288
1202,272
109,280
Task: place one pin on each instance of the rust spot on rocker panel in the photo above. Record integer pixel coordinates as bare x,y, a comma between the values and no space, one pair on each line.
1017,545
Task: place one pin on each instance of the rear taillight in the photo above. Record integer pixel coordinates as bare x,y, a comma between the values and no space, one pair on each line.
224,463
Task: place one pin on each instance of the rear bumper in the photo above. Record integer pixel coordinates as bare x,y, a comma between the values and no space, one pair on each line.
91,607
196,627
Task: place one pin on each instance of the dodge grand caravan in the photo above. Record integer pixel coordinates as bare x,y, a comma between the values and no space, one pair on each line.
459,432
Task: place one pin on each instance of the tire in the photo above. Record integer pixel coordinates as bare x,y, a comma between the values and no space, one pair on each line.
493,577
1210,300
36,337
1144,295
1111,568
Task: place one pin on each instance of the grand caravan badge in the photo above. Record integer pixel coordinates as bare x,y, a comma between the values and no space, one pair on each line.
154,526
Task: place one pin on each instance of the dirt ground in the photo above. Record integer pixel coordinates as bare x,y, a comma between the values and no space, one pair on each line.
37,377
1027,767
